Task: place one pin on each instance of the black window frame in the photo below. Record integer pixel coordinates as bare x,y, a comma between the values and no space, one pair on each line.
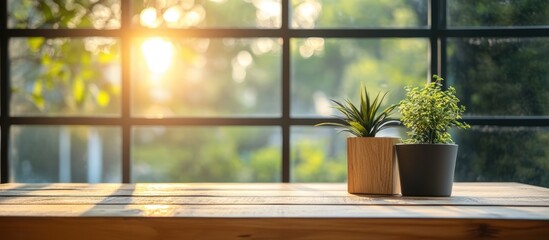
436,32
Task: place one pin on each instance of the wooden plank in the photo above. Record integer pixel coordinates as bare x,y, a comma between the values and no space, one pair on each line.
178,186
246,194
499,190
281,228
267,211
148,192
304,194
278,211
459,186
345,200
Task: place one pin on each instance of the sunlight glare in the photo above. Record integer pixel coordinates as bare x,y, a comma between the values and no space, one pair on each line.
186,4
306,14
267,8
262,45
148,17
158,54
311,46
322,104
239,73
172,14
195,16
244,58
268,13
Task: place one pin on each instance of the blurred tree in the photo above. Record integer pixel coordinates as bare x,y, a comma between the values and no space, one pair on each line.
482,13
59,76
333,68
313,164
201,154
218,93
215,77
501,77
63,77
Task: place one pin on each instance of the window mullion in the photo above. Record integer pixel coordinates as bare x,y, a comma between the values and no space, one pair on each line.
286,120
126,123
442,17
5,94
435,22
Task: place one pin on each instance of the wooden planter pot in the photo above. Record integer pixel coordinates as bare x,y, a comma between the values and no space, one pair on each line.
372,165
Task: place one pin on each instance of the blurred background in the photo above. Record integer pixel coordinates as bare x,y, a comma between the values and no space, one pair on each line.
174,71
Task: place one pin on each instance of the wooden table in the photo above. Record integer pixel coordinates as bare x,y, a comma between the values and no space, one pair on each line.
267,211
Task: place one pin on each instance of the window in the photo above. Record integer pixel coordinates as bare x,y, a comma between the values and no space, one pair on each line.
216,90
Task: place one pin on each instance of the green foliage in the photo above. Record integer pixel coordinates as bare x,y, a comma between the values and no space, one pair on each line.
498,13
501,77
311,162
66,78
392,13
52,76
364,121
485,156
429,113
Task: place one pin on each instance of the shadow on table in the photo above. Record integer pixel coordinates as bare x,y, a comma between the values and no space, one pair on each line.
114,204
21,190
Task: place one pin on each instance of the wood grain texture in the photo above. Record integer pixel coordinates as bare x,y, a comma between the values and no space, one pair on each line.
476,188
268,211
278,211
265,200
372,166
242,228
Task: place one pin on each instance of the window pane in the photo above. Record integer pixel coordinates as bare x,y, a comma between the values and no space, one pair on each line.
498,13
206,154
500,76
503,154
358,13
65,154
48,14
65,76
319,154
206,77
207,14
324,69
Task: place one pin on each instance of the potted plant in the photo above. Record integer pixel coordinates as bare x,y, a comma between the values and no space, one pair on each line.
427,158
371,161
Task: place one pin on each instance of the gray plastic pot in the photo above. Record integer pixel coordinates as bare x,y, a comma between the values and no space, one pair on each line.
426,169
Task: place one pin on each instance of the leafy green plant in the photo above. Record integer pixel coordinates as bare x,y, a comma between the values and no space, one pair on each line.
363,121
430,112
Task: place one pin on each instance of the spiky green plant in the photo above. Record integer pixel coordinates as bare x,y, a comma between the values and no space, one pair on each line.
366,120
429,113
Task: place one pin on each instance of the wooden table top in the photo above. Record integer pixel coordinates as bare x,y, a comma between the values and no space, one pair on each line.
267,210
